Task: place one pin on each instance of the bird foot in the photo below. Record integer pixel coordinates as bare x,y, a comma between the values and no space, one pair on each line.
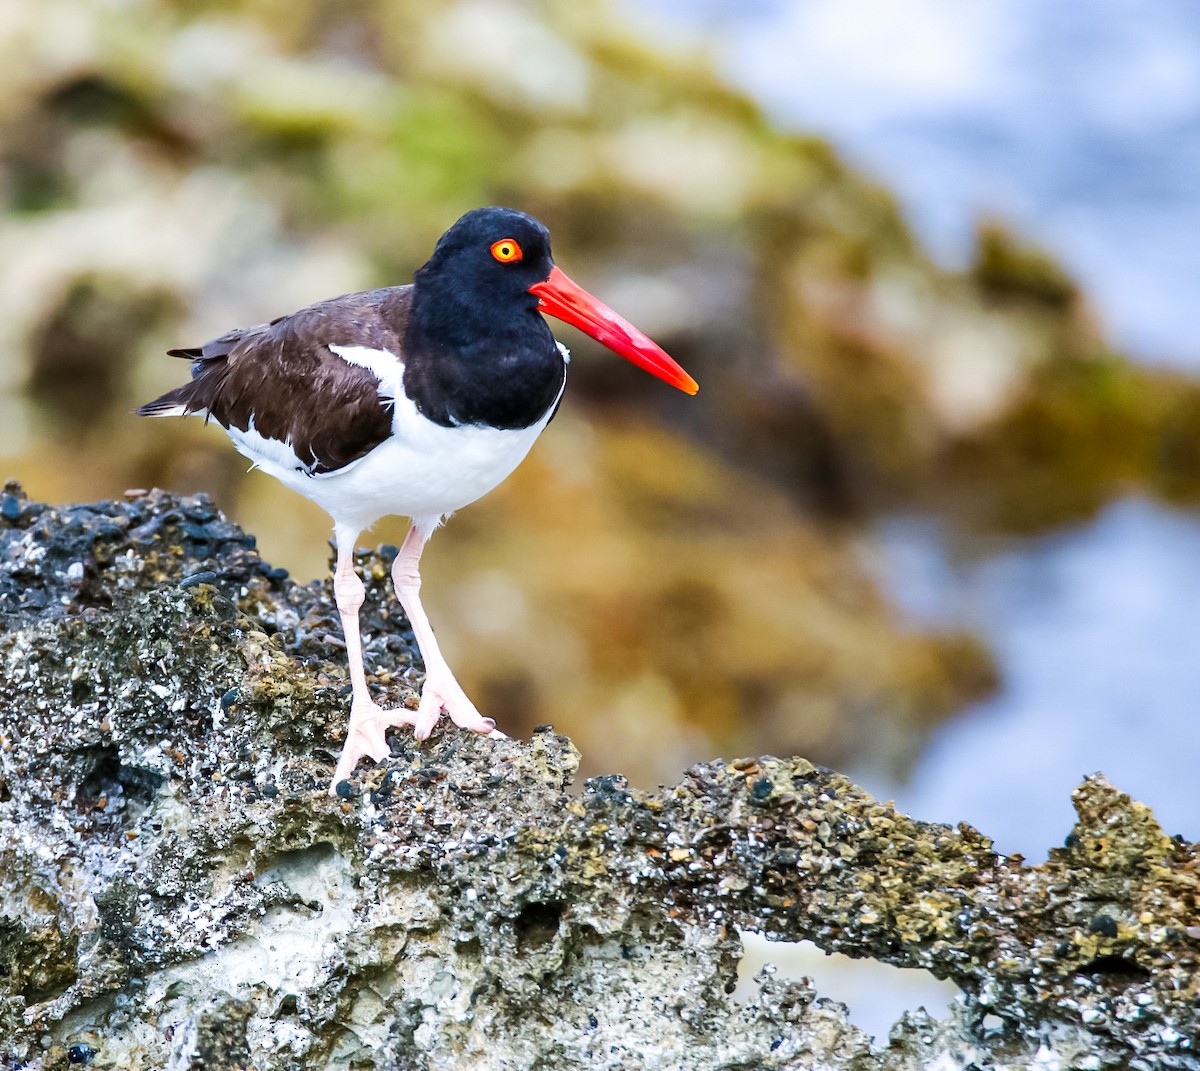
365,737
443,693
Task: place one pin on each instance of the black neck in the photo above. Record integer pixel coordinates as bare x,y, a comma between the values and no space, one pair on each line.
466,361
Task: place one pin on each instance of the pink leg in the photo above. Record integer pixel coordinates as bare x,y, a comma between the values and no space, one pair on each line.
365,735
368,720
441,691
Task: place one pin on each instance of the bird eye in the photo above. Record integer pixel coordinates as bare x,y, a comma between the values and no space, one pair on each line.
507,251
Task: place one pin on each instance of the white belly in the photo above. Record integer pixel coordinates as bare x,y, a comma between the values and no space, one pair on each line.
424,471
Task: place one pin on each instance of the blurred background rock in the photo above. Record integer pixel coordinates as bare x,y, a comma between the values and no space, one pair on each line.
849,535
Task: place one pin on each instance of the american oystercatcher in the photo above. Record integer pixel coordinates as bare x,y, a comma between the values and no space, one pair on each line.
409,400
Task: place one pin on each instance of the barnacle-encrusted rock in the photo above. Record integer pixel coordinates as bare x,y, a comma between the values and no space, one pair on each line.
180,891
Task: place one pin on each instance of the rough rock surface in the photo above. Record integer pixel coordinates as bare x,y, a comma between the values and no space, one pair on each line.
180,891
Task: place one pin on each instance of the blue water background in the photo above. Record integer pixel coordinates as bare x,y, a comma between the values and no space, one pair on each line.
1097,634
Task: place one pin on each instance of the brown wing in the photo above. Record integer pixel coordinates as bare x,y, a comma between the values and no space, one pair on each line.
284,377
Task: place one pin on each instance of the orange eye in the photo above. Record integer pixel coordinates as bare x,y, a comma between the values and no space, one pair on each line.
507,251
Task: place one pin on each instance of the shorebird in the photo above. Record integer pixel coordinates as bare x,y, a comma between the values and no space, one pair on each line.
411,401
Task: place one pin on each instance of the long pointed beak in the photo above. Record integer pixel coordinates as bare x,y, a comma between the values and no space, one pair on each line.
568,301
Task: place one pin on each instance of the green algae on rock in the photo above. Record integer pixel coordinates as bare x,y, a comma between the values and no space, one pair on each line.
180,891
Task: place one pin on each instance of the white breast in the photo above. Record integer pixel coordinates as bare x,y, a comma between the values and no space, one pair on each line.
423,471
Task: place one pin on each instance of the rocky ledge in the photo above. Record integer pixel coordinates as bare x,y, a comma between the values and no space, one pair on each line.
180,891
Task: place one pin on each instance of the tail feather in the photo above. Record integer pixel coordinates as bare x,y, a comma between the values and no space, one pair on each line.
182,401
210,367
214,348
162,407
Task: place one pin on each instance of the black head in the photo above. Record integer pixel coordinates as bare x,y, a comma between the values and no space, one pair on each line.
477,350
488,260
476,312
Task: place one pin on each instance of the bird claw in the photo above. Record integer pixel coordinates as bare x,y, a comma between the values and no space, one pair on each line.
446,695
364,739
369,722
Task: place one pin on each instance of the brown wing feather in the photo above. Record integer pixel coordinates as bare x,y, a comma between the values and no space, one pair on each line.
284,377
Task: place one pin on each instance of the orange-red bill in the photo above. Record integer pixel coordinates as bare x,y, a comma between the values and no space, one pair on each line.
568,301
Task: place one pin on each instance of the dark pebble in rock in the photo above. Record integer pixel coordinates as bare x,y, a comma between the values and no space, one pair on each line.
610,786
345,790
205,576
1105,925
762,789
200,511
227,533
10,508
145,533
108,530
199,532
229,698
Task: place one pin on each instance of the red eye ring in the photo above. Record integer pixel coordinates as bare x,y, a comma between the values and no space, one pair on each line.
507,251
